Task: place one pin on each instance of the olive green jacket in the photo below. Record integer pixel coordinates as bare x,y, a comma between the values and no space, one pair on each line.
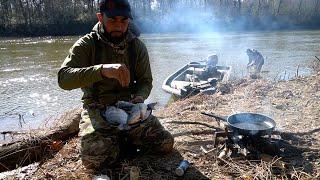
82,68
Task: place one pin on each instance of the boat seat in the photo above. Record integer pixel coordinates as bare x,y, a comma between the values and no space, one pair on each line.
180,84
183,84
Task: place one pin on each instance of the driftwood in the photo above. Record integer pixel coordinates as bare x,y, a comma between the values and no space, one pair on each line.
33,146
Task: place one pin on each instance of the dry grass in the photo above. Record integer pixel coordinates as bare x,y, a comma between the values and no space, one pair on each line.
293,104
64,165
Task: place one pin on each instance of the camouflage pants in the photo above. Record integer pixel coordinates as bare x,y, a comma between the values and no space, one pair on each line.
101,143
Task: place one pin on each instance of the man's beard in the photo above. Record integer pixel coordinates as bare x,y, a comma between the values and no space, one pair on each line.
116,39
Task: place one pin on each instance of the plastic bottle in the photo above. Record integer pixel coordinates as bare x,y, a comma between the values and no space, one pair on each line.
181,169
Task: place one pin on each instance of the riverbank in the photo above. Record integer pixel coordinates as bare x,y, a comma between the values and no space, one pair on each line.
293,104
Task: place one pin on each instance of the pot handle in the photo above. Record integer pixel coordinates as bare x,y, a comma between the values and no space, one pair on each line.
215,116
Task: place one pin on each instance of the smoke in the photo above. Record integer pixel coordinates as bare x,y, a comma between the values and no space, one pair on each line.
204,16
178,17
188,19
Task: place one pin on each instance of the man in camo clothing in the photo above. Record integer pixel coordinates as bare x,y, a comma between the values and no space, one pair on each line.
111,64
256,61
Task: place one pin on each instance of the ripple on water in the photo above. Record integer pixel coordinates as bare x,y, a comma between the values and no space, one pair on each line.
10,69
22,58
49,41
42,99
24,80
38,79
16,80
27,43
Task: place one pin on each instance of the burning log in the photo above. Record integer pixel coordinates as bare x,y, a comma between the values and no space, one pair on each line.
36,145
246,145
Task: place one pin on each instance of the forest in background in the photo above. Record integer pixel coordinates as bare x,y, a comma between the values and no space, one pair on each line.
73,17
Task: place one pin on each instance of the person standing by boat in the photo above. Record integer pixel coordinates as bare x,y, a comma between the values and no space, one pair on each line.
256,61
211,69
212,60
111,64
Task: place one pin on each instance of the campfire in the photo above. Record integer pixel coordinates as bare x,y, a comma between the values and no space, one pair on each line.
251,146
247,134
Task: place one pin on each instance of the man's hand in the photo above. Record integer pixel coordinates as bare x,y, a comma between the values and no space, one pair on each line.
117,71
137,99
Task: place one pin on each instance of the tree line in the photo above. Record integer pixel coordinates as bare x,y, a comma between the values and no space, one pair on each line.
68,17
46,17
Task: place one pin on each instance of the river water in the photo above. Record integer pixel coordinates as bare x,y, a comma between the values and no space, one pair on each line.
30,96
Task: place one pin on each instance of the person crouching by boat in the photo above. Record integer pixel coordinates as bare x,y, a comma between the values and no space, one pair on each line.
111,64
256,61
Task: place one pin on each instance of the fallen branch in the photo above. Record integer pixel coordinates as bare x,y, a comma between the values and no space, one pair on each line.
7,113
189,122
36,145
12,133
317,58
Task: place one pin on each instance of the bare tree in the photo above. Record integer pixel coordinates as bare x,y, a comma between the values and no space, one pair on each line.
43,14
259,7
316,8
299,8
279,6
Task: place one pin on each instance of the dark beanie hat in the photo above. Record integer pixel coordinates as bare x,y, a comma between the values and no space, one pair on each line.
114,8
